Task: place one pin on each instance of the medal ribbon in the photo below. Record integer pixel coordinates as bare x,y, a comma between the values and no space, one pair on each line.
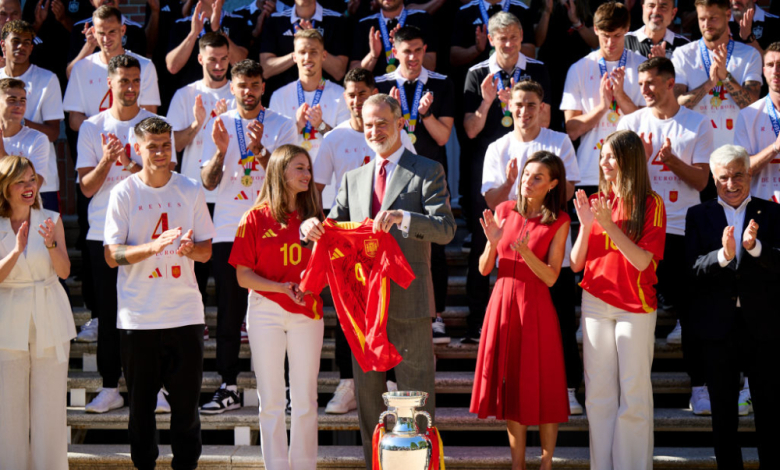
500,86
705,59
314,102
772,115
246,156
386,35
484,13
603,70
411,115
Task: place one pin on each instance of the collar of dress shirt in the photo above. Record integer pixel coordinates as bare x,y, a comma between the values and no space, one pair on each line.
500,4
640,34
736,210
393,159
252,7
294,18
401,80
494,67
383,17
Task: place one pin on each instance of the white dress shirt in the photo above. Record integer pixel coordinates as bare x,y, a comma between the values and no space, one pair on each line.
392,164
736,218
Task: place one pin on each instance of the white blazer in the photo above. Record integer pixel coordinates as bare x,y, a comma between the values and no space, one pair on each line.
32,289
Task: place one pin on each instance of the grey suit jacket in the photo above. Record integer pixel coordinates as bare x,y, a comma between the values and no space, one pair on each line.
419,186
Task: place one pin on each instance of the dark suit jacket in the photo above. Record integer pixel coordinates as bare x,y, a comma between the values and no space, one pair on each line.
714,290
418,185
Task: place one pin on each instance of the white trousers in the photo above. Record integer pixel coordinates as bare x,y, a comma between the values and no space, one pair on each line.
618,355
33,409
274,332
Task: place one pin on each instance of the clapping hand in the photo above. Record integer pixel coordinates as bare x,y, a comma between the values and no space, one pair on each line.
199,111
489,88
21,237
480,38
665,154
165,239
186,245
658,50
718,71
617,77
425,103
746,23
729,243
601,208
512,171
648,145
521,244
582,206
605,92
220,135
314,115
216,15
375,42
492,228
46,230
112,147
505,94
749,237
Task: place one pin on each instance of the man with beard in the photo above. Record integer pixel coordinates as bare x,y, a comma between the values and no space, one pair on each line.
655,39
44,100
372,47
717,76
105,158
407,196
751,25
241,143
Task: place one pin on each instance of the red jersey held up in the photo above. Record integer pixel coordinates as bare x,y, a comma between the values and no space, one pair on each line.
358,265
274,253
610,277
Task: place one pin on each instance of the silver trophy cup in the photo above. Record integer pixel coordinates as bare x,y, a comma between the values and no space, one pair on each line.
405,447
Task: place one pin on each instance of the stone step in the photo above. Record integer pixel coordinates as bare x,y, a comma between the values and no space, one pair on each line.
117,457
447,419
442,351
446,382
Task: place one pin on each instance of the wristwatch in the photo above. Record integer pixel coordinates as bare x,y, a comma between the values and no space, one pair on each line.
263,152
427,114
322,126
750,38
130,165
729,78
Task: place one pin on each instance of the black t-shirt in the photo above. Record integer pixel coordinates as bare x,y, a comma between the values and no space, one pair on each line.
170,11
766,28
493,130
361,47
133,40
469,17
443,105
638,42
233,25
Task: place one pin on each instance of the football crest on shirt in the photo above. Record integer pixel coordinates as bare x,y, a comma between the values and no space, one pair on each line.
673,196
371,246
729,124
176,271
155,274
73,6
758,31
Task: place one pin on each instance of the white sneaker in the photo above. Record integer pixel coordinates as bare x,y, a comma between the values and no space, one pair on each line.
392,386
675,337
162,403
108,399
745,402
700,401
439,331
343,399
574,405
89,332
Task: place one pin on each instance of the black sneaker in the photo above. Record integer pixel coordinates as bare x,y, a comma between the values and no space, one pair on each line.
224,399
439,332
288,407
472,338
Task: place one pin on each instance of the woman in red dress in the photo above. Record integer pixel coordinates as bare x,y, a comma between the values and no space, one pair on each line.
520,372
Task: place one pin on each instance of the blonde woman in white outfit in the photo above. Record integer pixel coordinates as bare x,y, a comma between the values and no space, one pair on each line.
36,325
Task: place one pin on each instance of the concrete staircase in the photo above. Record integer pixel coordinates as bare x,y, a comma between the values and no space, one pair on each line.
231,439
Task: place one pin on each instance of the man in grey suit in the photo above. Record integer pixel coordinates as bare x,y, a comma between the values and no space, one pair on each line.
406,195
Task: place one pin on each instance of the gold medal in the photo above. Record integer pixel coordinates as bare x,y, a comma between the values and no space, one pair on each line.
413,138
506,121
613,117
246,180
715,101
390,68
306,145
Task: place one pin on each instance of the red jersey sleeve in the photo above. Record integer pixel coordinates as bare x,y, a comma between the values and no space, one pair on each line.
393,259
243,252
315,277
654,232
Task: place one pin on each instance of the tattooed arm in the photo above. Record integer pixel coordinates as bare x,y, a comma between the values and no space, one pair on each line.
743,95
690,99
211,173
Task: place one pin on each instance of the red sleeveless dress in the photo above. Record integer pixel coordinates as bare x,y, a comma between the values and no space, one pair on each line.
520,372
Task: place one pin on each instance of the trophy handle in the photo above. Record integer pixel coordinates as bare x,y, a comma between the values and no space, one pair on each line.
385,414
427,417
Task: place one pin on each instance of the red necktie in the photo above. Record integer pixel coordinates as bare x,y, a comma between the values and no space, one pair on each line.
379,188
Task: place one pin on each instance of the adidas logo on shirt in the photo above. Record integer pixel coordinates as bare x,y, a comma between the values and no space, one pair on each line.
477,21
166,8
241,197
269,234
155,274
336,254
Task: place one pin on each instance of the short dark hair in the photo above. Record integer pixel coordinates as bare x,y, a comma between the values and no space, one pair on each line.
154,125
105,12
10,83
529,86
247,68
359,74
774,47
408,33
18,27
661,65
212,39
723,4
122,61
612,16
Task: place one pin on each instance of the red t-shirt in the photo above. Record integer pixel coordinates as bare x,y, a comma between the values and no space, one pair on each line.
274,253
358,265
608,274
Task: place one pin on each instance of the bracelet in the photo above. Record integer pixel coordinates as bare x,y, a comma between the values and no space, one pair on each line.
774,147
53,245
577,26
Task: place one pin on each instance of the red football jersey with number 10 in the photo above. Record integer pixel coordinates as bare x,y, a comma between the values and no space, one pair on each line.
274,253
358,265
610,277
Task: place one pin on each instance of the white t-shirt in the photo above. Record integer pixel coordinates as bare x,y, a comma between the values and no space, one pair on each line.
180,116
334,111
345,149
744,65
691,136
233,198
88,91
34,146
161,291
44,103
754,132
90,152
500,152
581,93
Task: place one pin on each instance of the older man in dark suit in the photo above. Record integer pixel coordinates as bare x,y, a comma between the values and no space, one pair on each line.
406,195
733,249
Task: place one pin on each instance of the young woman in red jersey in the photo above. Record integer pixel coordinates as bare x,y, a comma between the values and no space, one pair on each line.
621,240
269,259
520,372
